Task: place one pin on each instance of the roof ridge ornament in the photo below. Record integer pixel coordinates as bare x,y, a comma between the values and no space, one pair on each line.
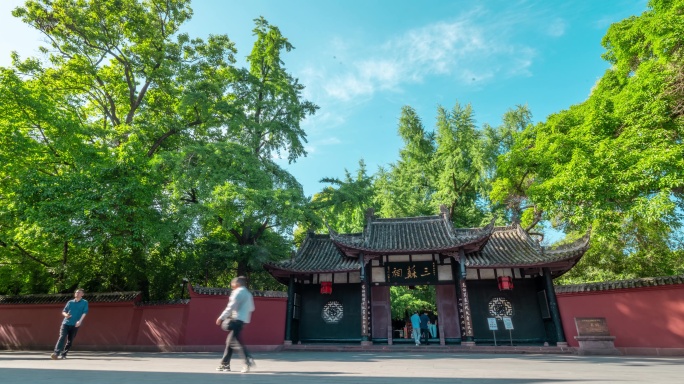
524,235
331,231
581,243
444,211
370,214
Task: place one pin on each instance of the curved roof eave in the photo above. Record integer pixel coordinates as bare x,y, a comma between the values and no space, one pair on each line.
352,245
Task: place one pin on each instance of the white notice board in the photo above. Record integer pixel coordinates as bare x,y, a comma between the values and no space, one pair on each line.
492,323
508,323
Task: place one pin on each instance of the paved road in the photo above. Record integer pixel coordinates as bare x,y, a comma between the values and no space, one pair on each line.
337,367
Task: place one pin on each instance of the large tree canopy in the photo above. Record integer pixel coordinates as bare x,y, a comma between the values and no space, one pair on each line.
134,155
616,161
407,188
613,164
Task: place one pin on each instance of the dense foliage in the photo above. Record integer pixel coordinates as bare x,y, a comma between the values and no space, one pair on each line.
132,156
613,164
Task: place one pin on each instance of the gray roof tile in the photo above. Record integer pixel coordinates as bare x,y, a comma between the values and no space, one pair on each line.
317,254
105,297
410,235
212,291
512,247
620,284
488,247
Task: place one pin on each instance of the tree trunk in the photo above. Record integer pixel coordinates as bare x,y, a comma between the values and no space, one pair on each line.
242,268
139,275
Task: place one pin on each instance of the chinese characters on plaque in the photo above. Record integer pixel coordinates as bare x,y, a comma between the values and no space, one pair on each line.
411,272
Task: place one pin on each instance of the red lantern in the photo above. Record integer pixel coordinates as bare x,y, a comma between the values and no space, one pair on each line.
326,287
505,283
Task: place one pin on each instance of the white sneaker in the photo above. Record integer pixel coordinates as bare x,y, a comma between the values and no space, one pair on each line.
245,369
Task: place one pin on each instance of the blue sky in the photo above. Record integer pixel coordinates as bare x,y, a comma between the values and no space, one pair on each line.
361,61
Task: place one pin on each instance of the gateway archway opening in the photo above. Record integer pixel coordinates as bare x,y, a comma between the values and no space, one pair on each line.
405,300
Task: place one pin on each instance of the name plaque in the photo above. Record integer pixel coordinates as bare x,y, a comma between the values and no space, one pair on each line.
591,326
413,273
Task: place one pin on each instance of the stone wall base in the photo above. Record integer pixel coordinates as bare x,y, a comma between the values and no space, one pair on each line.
597,345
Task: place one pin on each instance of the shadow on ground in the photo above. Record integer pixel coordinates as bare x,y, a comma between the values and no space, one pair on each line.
13,375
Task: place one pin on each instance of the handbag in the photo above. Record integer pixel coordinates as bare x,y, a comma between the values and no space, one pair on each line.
228,324
225,325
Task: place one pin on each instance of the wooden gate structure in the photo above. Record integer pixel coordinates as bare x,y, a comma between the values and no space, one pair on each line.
338,284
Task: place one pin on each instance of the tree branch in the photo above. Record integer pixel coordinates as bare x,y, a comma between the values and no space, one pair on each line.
159,141
30,256
192,196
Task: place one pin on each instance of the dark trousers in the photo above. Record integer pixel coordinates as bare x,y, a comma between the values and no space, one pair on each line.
424,332
234,342
66,335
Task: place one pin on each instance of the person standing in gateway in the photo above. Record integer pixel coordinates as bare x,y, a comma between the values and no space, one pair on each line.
74,312
415,326
424,330
238,312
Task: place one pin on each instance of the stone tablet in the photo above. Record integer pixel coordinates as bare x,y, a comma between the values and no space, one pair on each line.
591,326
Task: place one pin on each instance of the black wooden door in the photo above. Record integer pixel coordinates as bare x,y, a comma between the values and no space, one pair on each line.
381,314
447,308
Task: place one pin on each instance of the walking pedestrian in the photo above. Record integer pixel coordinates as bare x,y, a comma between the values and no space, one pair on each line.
415,325
238,312
74,312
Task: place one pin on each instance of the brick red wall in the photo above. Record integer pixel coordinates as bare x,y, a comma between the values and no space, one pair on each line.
650,317
123,325
37,325
267,326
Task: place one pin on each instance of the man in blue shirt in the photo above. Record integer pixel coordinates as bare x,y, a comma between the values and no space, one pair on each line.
74,312
415,325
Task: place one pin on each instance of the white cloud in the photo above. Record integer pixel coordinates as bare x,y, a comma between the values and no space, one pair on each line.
314,146
460,50
17,36
329,141
557,28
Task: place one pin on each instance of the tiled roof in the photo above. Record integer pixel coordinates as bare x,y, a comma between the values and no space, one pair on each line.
317,254
106,297
161,302
226,292
411,235
621,284
512,247
488,247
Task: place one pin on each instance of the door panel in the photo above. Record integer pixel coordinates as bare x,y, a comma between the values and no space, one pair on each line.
447,307
381,322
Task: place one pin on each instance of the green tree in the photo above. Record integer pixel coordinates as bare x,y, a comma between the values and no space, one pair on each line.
121,84
343,204
407,187
513,168
243,207
615,161
270,99
269,124
460,165
405,300
101,147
